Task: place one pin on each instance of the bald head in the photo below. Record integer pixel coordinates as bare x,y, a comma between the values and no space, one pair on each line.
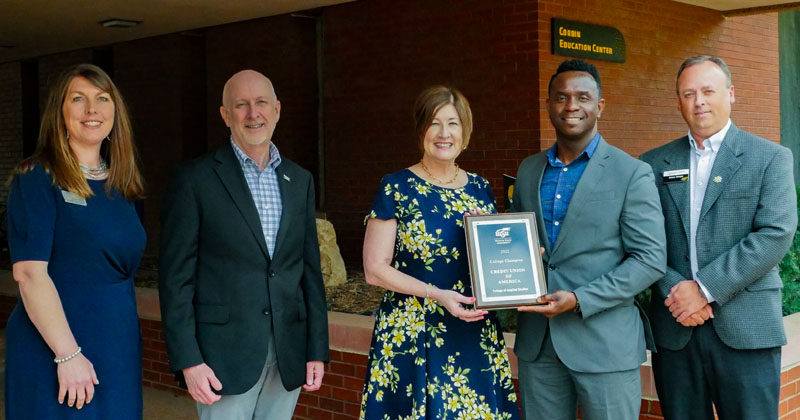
245,77
250,109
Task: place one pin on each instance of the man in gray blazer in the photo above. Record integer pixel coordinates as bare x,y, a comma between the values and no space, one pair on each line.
731,214
242,297
600,222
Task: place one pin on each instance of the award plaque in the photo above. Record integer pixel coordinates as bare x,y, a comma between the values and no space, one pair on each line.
504,260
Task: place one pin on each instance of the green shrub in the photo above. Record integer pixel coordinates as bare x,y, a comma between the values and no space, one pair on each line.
789,269
508,319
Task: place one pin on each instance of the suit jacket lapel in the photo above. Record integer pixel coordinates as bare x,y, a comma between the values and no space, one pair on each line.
725,165
679,191
537,204
586,185
287,199
230,174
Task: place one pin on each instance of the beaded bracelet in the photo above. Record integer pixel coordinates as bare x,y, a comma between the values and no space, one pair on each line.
64,359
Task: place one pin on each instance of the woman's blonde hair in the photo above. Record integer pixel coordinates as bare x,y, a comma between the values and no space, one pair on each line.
55,155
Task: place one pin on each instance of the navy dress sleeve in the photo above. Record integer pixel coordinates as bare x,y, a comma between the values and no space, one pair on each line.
384,206
490,200
31,216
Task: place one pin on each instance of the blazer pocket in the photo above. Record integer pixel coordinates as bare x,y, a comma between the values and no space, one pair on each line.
724,196
602,196
738,193
211,314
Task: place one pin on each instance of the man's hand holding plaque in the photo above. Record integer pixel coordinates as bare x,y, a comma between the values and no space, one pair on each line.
505,260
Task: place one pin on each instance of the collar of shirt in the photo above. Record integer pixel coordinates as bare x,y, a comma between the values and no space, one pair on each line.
274,156
714,142
552,154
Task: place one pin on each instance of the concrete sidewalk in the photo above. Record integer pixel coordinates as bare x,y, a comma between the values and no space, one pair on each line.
158,405
164,405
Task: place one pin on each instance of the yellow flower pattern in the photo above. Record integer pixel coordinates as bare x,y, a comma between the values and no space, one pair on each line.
425,363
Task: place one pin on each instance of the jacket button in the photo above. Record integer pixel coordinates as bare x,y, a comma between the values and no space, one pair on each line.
272,274
551,267
266,312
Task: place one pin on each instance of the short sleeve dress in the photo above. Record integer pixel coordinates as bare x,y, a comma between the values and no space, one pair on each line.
93,248
423,362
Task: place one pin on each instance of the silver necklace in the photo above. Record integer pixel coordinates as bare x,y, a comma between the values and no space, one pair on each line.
95,173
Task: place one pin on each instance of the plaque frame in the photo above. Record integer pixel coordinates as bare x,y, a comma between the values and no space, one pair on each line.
531,256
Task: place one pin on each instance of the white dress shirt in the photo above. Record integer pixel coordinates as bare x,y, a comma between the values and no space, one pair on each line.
701,162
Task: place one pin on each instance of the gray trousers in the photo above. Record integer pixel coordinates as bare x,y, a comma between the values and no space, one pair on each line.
552,391
266,400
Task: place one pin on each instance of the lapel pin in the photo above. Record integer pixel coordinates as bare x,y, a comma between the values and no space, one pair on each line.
718,179
288,179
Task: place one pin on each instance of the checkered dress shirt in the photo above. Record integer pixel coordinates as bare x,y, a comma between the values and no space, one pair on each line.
265,191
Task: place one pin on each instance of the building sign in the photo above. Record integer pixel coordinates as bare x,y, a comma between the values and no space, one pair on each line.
584,40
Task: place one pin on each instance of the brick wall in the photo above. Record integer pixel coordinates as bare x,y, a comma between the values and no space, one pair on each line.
790,394
339,398
10,122
51,66
284,49
155,365
375,65
498,54
163,82
641,105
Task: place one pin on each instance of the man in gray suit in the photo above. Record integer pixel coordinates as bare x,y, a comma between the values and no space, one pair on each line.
600,222
731,213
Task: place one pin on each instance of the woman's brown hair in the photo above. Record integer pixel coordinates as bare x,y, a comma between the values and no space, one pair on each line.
431,100
55,155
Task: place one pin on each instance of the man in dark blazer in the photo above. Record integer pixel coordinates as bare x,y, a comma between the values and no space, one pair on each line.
730,214
600,222
242,297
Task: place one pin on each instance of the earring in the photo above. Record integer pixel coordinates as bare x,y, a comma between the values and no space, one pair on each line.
108,137
67,135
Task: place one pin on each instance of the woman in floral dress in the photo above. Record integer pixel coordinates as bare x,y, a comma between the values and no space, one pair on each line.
431,357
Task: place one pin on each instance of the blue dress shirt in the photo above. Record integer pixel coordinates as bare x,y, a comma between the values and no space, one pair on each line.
558,185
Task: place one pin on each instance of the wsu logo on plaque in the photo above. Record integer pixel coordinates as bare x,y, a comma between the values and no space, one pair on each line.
501,236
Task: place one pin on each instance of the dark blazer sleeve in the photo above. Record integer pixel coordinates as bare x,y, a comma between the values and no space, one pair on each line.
177,267
773,228
313,285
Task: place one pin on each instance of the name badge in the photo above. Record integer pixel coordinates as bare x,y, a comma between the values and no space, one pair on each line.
73,198
678,175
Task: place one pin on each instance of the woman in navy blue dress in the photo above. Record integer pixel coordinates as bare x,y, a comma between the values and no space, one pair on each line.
431,357
73,349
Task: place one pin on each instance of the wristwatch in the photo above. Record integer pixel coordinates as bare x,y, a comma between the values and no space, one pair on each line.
577,308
